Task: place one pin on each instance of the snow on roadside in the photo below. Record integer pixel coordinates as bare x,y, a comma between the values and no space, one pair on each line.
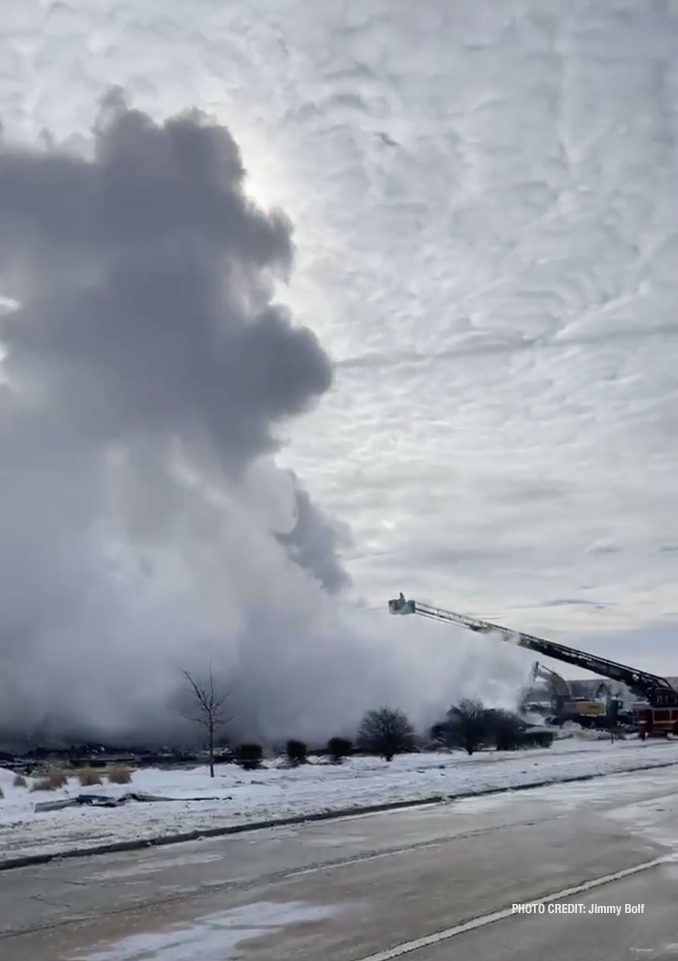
235,796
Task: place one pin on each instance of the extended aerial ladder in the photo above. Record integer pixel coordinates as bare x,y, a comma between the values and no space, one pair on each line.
658,692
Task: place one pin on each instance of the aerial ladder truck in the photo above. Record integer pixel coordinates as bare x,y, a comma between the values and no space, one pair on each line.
658,719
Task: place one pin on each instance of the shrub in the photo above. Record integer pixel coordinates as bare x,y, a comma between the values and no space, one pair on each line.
465,726
249,756
386,731
506,730
42,784
338,748
2,794
470,725
439,734
89,777
52,780
296,753
538,738
119,774
20,781
57,777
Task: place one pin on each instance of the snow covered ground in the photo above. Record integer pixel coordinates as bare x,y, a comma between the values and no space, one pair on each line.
235,796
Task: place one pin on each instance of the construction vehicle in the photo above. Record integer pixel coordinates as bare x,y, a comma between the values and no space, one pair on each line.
658,719
565,706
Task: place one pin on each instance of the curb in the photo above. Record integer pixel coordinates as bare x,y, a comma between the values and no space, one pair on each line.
116,847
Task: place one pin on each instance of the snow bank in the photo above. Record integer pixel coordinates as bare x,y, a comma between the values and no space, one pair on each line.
235,796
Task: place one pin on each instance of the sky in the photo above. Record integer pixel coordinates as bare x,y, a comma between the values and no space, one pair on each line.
476,228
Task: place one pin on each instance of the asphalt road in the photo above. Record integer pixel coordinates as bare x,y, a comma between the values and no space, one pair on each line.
428,884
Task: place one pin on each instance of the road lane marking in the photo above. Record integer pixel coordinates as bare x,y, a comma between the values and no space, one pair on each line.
407,947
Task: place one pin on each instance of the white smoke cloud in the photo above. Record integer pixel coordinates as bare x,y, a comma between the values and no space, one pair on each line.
145,525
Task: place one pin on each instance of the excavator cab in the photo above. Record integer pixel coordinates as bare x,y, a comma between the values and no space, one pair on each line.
400,605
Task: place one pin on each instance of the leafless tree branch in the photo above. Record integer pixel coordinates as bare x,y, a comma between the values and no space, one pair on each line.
209,701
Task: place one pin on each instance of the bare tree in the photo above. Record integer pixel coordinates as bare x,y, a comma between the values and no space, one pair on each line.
466,725
386,731
208,708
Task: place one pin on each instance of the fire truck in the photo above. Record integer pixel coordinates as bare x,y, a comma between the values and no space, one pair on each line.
658,719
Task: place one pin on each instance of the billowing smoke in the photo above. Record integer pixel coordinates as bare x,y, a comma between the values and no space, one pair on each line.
146,527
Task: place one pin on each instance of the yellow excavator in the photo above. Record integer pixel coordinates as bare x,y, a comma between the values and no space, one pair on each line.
588,712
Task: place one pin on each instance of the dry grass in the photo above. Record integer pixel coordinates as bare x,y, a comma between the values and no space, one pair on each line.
55,777
52,780
119,774
89,776
42,784
20,781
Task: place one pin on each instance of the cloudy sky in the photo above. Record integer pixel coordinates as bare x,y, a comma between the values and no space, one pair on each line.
484,211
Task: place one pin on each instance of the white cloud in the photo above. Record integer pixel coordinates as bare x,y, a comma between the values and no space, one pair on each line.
484,205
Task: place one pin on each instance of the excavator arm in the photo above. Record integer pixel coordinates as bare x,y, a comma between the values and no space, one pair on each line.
558,684
658,691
